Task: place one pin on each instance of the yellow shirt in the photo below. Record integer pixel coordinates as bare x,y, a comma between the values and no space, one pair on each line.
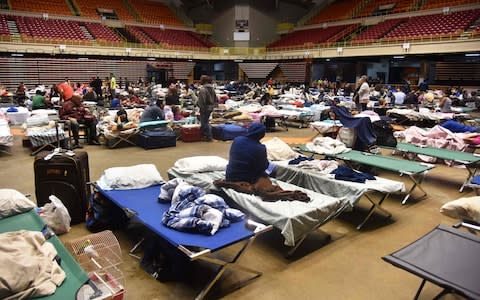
113,83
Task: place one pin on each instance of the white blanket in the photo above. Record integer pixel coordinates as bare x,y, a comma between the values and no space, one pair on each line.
327,145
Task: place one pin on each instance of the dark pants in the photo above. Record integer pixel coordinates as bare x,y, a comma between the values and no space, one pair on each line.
90,126
205,123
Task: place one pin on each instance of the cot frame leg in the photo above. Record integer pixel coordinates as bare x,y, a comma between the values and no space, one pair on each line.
125,139
420,288
416,184
224,265
375,205
471,172
297,245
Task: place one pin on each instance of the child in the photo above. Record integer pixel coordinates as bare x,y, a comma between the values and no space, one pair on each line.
121,118
177,113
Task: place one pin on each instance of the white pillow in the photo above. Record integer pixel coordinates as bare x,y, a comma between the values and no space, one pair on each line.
12,202
201,164
463,208
279,150
133,177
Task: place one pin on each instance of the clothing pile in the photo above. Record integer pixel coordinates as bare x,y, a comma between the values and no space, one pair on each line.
193,210
327,145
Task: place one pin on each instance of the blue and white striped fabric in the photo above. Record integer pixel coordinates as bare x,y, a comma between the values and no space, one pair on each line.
40,136
194,210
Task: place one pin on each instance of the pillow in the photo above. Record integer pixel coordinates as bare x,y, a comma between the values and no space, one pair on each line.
279,150
201,164
12,202
463,208
133,177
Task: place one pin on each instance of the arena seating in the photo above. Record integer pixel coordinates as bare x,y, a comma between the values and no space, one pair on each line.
139,35
312,37
54,7
430,4
4,31
170,37
434,25
30,27
88,8
38,28
102,33
372,8
338,10
377,31
155,13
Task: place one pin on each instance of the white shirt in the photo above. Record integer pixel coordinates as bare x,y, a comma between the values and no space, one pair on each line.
399,97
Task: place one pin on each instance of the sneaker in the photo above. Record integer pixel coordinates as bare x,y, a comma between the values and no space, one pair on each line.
77,146
374,150
94,142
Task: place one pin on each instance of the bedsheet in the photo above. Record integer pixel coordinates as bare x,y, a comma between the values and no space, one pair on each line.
6,137
294,219
40,136
328,185
422,114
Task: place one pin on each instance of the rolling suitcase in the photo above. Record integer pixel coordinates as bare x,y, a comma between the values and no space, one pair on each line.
228,132
66,177
157,139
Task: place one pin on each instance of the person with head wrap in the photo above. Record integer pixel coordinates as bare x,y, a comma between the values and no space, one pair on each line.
248,157
247,165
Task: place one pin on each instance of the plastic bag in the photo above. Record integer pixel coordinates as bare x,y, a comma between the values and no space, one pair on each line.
56,215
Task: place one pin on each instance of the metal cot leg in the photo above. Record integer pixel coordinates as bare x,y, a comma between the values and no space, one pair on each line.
372,209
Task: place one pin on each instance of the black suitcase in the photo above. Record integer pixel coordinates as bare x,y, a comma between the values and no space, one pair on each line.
156,139
66,177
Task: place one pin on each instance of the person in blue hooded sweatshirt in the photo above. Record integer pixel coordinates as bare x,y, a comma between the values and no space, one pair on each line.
246,169
248,157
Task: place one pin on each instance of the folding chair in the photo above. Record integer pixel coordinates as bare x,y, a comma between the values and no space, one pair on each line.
82,131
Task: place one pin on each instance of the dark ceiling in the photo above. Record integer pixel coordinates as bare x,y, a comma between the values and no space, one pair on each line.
201,11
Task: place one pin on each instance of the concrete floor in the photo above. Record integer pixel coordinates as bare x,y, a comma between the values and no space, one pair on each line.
346,266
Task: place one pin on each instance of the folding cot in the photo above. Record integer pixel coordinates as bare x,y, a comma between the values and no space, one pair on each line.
445,256
144,204
328,185
43,137
416,171
75,275
325,127
470,160
294,219
129,136
6,137
303,116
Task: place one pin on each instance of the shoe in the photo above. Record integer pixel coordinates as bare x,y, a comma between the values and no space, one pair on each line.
374,150
77,146
94,142
207,139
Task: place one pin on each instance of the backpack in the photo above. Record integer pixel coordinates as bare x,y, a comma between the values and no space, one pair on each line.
102,214
163,261
384,132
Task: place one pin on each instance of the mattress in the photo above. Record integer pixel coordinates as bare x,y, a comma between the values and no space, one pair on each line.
6,137
328,185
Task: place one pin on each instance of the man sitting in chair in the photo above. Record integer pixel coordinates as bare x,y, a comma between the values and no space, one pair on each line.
77,114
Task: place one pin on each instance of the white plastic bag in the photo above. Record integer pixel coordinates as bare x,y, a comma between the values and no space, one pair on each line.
56,215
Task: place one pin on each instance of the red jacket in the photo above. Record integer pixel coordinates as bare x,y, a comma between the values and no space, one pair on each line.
70,110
